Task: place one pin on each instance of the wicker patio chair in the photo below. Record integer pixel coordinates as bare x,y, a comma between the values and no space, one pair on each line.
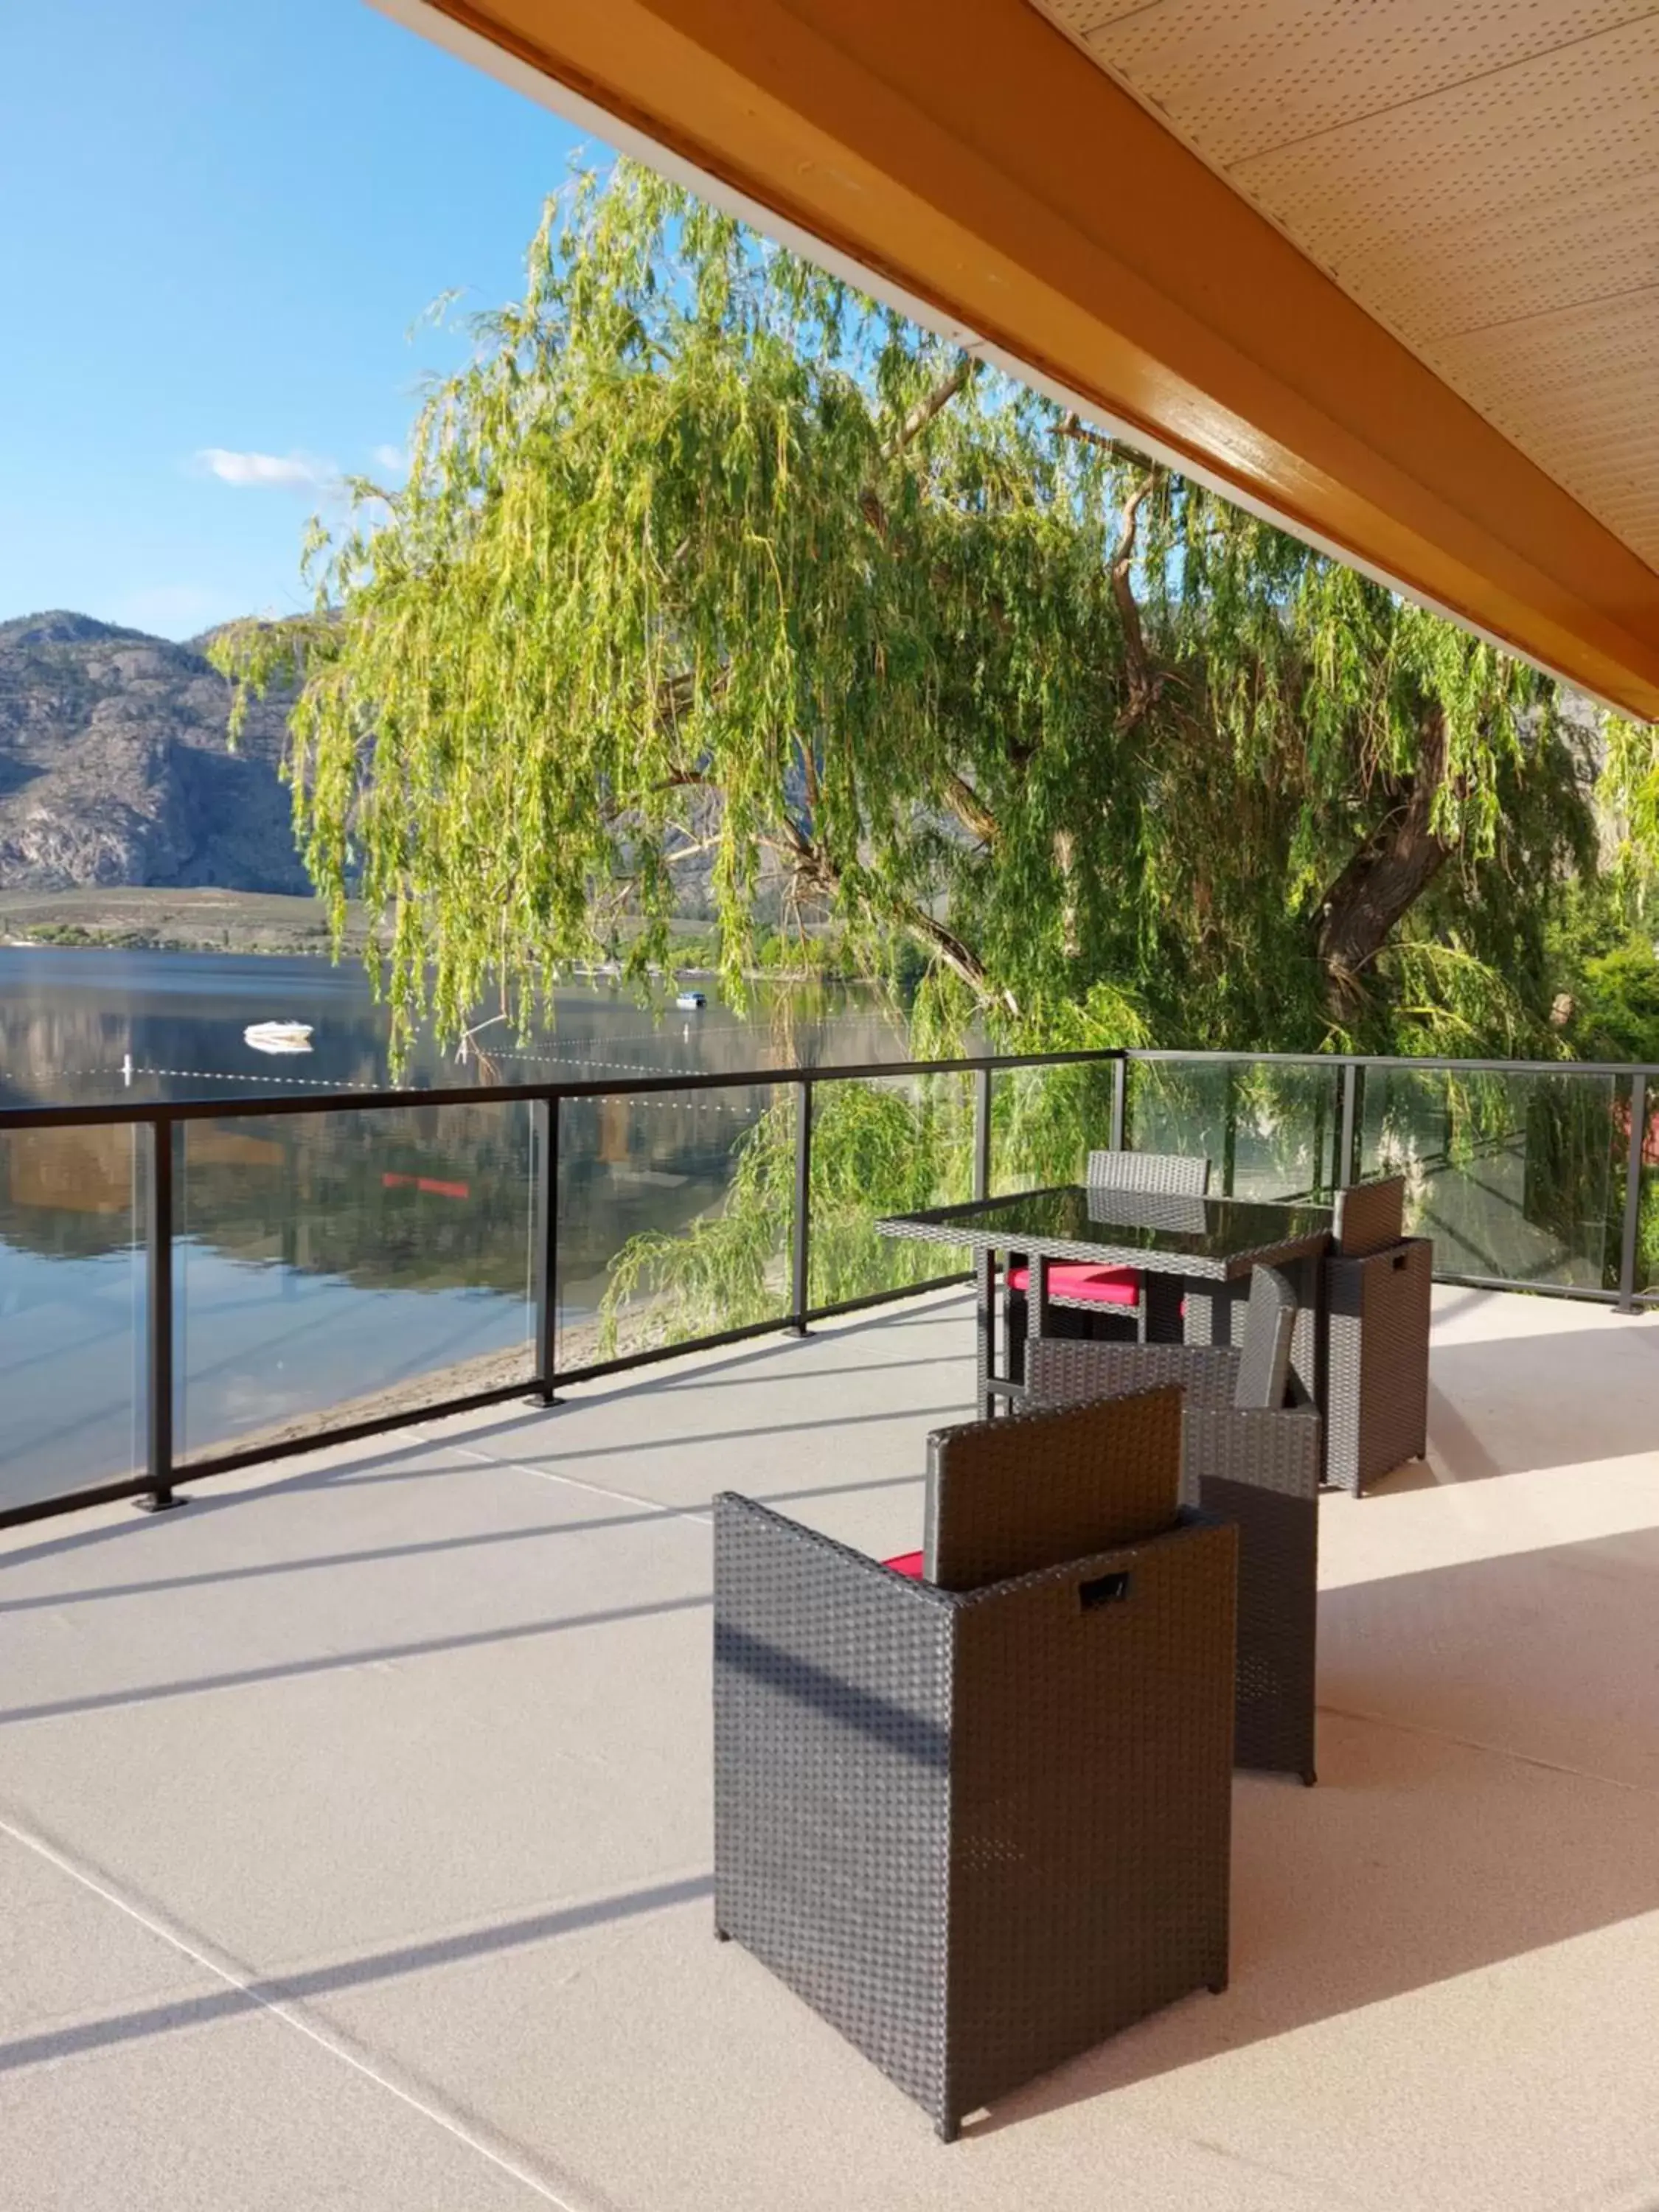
1369,1217
1374,1337
981,1824
1110,1294
1248,1458
1169,1175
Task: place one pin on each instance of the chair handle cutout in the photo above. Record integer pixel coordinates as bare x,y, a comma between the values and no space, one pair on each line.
1104,1589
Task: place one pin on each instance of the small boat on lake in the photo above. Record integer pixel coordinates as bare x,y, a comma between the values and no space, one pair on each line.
693,1002
278,1036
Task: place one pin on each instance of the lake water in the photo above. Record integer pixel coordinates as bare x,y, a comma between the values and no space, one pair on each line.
69,1018
332,1265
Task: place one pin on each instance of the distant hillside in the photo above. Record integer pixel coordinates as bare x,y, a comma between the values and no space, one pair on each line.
114,769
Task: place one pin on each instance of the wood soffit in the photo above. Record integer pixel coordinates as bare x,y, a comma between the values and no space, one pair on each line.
1388,269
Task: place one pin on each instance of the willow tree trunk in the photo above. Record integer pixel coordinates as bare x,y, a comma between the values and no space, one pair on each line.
1385,879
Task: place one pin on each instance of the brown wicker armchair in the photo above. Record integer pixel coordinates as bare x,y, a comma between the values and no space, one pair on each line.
1250,1459
981,1824
1373,1355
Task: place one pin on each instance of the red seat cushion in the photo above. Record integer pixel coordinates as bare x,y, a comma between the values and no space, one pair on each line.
1075,1278
907,1563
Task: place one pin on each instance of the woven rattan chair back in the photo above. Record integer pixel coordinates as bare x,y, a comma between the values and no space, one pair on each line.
1177,1174
1013,1497
1264,1362
1370,1216
1257,1468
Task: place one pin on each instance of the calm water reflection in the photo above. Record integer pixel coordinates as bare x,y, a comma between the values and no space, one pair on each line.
325,1260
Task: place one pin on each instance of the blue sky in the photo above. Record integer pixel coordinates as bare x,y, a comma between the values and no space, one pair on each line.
222,217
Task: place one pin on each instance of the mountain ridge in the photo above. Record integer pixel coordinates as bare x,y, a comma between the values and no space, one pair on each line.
116,770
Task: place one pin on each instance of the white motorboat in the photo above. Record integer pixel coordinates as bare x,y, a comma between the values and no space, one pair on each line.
278,1036
692,1001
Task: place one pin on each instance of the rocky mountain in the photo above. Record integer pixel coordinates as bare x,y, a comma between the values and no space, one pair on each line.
115,770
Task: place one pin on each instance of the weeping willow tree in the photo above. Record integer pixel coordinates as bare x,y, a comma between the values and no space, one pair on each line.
704,559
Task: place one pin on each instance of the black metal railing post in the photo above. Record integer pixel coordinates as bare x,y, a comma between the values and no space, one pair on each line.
801,1252
1229,1127
1344,1142
545,1258
1120,1100
1638,1146
982,1132
1319,1134
158,1318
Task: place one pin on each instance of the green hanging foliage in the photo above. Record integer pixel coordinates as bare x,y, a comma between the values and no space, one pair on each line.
702,550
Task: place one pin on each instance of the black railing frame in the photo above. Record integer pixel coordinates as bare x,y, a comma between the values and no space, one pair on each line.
160,1159
160,1124
545,1258
800,1241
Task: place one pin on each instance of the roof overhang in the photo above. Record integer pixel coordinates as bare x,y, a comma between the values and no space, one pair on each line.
973,163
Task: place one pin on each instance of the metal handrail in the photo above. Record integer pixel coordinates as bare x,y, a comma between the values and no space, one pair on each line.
122,1111
1409,1063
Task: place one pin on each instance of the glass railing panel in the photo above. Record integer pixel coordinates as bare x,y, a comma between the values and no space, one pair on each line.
72,1334
885,1145
1269,1128
334,1267
1516,1176
1045,1122
675,1216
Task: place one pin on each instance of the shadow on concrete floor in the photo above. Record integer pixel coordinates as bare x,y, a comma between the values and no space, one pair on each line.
1421,1857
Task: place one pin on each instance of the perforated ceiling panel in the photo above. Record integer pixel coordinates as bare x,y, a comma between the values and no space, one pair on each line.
1482,175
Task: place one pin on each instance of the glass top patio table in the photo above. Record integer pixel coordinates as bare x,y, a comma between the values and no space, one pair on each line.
1218,1239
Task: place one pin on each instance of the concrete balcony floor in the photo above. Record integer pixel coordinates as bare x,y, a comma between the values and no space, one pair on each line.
354,1827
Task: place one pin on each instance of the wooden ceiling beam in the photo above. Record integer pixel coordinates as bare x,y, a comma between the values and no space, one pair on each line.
969,156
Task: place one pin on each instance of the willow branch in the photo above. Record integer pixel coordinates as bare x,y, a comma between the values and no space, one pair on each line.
814,867
965,803
947,947
809,776
1072,425
681,778
1146,680
930,404
676,693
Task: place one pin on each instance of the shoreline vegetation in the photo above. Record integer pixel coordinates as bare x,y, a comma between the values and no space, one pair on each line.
152,919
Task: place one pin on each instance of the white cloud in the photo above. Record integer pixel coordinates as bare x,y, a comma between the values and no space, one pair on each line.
391,459
283,471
